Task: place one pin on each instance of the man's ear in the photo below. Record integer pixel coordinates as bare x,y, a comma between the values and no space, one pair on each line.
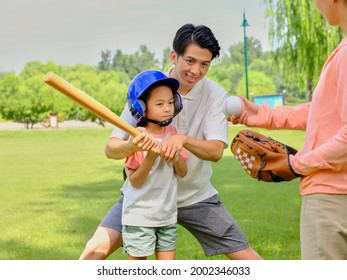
173,57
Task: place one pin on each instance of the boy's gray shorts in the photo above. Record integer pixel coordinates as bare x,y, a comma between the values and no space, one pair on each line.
209,221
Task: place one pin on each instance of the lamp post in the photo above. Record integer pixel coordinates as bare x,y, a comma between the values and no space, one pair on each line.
245,24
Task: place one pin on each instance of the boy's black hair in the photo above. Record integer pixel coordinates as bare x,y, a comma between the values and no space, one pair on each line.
200,35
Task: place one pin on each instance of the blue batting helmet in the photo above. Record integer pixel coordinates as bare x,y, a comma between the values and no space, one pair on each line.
141,83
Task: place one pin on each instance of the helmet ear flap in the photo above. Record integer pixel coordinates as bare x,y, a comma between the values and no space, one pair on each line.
142,104
138,109
177,103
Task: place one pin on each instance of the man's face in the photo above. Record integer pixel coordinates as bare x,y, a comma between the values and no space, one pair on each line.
191,67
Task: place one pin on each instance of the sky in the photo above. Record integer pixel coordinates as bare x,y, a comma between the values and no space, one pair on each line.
69,32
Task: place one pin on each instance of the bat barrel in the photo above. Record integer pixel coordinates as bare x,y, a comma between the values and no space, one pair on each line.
88,102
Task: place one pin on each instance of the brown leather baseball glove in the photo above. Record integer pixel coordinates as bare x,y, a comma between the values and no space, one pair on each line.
262,157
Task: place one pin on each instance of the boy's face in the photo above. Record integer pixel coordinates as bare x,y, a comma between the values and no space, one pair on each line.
191,67
160,104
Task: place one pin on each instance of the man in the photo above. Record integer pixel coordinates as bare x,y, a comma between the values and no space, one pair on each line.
203,132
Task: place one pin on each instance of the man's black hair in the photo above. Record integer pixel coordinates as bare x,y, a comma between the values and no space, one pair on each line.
200,35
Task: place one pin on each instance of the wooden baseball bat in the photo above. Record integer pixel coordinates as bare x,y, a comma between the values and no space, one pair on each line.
88,102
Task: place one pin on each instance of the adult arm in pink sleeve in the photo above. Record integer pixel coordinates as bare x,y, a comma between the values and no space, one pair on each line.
331,154
283,117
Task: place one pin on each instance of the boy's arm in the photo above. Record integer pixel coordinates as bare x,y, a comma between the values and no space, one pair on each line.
120,144
180,166
139,176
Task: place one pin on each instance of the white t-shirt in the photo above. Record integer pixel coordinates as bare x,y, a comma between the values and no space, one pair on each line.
202,118
154,204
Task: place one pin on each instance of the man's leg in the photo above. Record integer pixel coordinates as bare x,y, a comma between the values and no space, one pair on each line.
216,230
107,237
103,243
246,254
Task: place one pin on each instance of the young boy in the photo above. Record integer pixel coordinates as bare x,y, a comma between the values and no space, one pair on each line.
150,192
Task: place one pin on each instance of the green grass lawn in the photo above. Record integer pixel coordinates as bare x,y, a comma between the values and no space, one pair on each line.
57,185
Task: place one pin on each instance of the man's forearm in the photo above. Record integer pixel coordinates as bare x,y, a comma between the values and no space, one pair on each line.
211,150
119,149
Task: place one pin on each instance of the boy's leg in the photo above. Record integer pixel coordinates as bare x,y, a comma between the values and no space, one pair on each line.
215,229
166,242
165,255
107,237
139,242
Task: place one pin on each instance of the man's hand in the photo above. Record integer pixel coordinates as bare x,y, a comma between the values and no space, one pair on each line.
171,147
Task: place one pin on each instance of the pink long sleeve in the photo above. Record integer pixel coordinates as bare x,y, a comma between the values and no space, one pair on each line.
323,160
283,117
331,151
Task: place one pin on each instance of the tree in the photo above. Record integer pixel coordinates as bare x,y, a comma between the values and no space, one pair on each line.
235,53
259,84
226,76
26,98
118,61
222,75
23,100
132,64
3,74
105,63
107,87
302,40
142,60
166,61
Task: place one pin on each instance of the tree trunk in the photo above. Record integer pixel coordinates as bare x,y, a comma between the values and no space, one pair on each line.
309,91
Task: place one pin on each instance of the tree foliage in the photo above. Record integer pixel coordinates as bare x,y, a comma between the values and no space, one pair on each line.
22,100
26,98
259,84
229,70
132,64
301,38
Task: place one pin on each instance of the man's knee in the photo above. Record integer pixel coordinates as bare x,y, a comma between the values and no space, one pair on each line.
103,243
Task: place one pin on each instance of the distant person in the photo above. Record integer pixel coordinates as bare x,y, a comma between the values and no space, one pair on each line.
323,160
203,131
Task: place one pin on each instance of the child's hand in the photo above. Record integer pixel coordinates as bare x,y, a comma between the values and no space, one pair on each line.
155,151
171,147
144,141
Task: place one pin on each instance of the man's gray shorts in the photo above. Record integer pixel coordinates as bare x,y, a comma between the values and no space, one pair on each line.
209,221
